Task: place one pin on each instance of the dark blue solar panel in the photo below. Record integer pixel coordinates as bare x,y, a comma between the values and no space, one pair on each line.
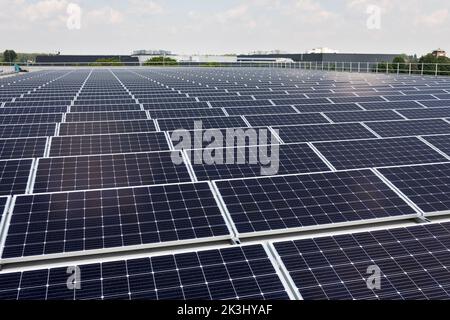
90,128
441,142
106,116
186,113
328,107
14,175
428,186
112,220
410,128
329,132
301,201
359,116
27,130
107,144
230,273
207,123
285,119
260,110
412,262
426,113
108,171
22,148
391,105
378,153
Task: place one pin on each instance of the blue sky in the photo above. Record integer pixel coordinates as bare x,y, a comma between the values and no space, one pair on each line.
225,26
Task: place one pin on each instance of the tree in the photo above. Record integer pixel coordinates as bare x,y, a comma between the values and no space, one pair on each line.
9,56
161,61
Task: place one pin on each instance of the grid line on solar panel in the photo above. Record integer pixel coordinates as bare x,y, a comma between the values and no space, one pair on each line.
217,274
108,171
293,158
440,142
378,153
93,128
259,206
207,123
15,176
413,263
285,119
27,130
323,132
47,226
108,144
360,116
410,127
427,186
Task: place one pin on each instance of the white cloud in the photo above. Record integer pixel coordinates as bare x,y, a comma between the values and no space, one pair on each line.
106,15
435,19
144,7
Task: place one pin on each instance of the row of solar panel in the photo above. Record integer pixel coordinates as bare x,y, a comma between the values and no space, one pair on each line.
413,264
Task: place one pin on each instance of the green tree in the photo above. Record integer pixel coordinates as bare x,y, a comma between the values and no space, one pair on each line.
9,56
161,61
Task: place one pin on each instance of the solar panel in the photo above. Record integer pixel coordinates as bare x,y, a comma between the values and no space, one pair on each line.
247,103
33,110
260,110
105,108
105,116
285,119
426,113
108,171
300,101
27,130
435,103
378,153
108,144
427,186
411,97
293,158
391,105
328,107
410,128
3,208
207,123
30,118
412,262
328,132
68,224
22,148
244,273
301,202
186,113
441,142
357,99
176,105
91,128
359,116
14,176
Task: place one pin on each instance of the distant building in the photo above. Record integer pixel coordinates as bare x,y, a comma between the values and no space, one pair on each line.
61,59
322,57
323,50
151,53
439,53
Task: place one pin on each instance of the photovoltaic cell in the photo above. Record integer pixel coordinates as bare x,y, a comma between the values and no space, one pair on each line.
328,107
378,153
426,113
428,186
260,110
27,130
413,262
391,105
359,116
207,123
14,175
290,203
105,116
108,171
112,220
186,113
108,144
244,273
441,142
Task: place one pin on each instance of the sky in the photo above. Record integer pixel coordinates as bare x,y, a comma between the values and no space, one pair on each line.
224,26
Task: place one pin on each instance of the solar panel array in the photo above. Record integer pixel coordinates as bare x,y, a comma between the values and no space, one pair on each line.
89,170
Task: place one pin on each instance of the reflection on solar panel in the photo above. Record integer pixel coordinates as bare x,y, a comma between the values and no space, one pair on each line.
363,116
329,132
75,223
27,130
89,128
426,113
22,148
107,144
294,158
413,263
378,153
285,119
428,186
410,128
108,171
207,123
290,203
229,273
14,175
